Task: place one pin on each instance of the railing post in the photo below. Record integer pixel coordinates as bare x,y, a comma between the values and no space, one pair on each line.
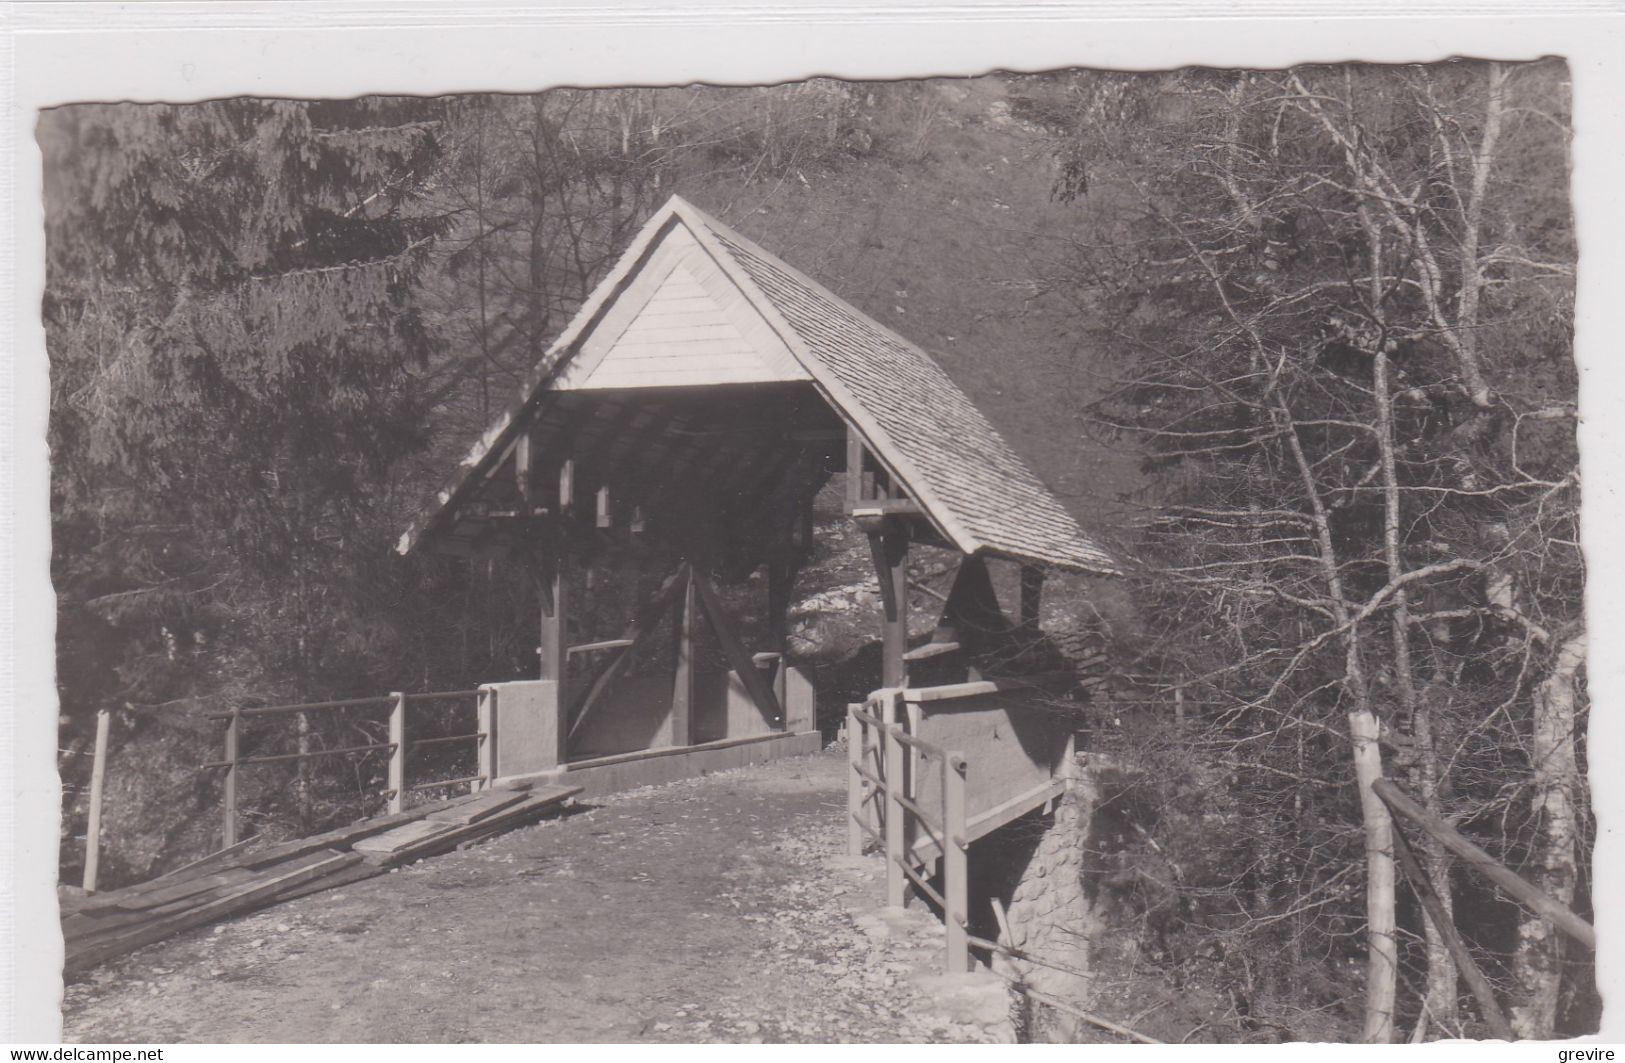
909,720
896,853
955,887
856,806
397,753
228,832
485,746
93,827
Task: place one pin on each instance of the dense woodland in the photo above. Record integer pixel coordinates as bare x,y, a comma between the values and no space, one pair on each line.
1297,343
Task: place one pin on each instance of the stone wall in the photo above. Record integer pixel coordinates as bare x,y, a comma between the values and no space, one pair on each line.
1050,918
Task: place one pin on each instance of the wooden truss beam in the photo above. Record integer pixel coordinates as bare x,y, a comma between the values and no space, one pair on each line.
682,692
646,620
739,659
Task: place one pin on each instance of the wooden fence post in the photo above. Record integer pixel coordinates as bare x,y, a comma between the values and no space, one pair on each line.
856,806
93,828
955,884
228,832
397,752
896,882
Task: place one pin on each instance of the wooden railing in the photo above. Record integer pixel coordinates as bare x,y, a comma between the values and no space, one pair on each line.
399,746
882,805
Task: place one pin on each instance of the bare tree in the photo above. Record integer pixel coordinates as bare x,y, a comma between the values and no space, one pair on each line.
1348,294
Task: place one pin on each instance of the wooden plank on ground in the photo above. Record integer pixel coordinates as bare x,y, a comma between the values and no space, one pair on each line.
127,896
342,877
473,811
402,836
82,926
218,858
540,801
134,897
157,895
345,837
303,869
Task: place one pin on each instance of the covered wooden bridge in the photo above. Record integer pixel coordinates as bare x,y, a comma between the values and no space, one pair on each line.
668,453
658,480
676,435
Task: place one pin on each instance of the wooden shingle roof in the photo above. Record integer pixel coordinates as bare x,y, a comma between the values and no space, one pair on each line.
913,417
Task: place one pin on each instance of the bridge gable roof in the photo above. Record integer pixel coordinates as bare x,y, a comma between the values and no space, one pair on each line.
762,318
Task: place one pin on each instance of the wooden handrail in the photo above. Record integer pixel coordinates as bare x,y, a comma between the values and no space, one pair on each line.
924,886
345,703
949,836
277,758
309,706
463,780
594,647
929,650
443,739
874,780
913,808
1435,911
866,829
1530,895
871,720
445,695
934,752
398,745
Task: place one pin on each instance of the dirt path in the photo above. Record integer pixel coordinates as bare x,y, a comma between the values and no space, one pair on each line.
716,909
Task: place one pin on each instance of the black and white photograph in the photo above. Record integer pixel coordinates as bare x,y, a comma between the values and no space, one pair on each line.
1061,555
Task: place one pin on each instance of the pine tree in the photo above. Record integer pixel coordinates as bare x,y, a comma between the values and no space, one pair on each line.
234,349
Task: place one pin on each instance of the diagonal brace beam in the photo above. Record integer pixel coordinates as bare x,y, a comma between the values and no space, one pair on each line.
739,659
647,619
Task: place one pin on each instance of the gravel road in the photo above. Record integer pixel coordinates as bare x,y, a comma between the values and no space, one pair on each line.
714,909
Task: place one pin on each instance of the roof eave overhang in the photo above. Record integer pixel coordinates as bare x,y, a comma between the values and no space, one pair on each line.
493,445
830,388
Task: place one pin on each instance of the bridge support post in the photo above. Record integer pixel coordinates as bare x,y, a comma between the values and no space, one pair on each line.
397,752
554,649
682,693
780,577
485,723
800,699
552,585
889,545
